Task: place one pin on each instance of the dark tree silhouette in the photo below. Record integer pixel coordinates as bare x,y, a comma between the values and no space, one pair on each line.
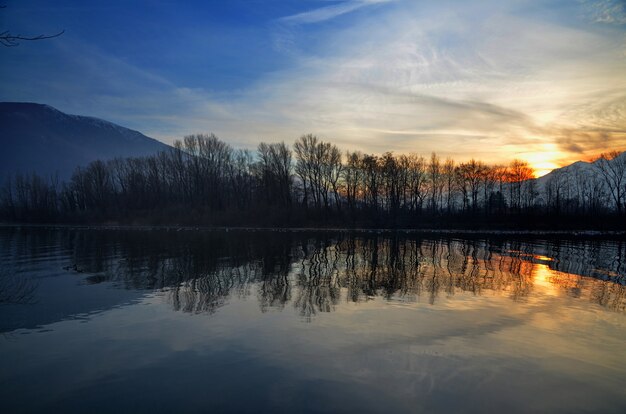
203,180
612,168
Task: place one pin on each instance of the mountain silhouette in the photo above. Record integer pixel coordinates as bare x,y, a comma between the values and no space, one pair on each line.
40,139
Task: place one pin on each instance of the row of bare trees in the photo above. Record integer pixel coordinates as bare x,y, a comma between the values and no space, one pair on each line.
205,179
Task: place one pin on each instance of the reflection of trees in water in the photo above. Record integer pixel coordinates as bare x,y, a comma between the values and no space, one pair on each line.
606,294
316,278
199,271
206,293
609,295
16,287
415,268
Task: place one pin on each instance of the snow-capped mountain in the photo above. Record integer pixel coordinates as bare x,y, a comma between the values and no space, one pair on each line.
39,138
579,168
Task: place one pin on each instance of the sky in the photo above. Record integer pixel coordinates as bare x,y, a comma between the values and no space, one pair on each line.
543,81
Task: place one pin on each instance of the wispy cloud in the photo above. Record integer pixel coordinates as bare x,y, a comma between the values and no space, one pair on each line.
329,12
487,79
607,11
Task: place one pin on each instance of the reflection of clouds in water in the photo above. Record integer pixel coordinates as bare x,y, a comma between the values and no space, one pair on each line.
16,288
409,324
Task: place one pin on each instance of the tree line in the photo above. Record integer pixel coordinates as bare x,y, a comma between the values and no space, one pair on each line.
203,180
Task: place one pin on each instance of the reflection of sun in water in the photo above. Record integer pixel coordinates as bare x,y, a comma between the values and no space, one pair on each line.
542,277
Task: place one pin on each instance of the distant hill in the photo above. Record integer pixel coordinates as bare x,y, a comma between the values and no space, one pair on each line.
578,168
39,138
581,168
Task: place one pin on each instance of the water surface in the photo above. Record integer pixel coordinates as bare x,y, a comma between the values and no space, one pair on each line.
216,321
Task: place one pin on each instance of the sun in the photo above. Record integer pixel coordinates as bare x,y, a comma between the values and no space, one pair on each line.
543,168
544,160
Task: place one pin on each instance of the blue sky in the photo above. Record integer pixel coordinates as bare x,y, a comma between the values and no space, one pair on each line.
539,80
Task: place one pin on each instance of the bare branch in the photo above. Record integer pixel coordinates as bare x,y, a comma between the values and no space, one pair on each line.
9,40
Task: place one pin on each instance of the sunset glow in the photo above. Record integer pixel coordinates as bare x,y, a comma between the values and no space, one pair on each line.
541,81
542,278
545,160
313,206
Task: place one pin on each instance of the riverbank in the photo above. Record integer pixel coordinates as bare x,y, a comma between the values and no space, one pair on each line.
619,234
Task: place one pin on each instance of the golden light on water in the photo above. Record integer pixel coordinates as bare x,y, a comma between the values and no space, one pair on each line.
542,276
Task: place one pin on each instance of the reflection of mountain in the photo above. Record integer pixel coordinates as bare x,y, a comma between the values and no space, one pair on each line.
199,271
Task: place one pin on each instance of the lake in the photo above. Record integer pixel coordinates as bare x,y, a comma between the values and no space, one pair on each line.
183,320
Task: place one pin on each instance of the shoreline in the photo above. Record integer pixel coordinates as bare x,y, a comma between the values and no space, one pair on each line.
344,230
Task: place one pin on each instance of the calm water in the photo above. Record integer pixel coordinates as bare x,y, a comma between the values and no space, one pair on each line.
191,321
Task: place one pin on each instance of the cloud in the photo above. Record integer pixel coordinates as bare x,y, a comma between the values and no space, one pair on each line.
486,79
590,142
329,12
407,81
420,77
607,11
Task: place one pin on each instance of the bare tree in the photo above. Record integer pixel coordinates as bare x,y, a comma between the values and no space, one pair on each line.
557,184
436,183
391,174
612,167
520,173
416,182
352,178
333,172
275,172
10,40
470,175
449,176
304,149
